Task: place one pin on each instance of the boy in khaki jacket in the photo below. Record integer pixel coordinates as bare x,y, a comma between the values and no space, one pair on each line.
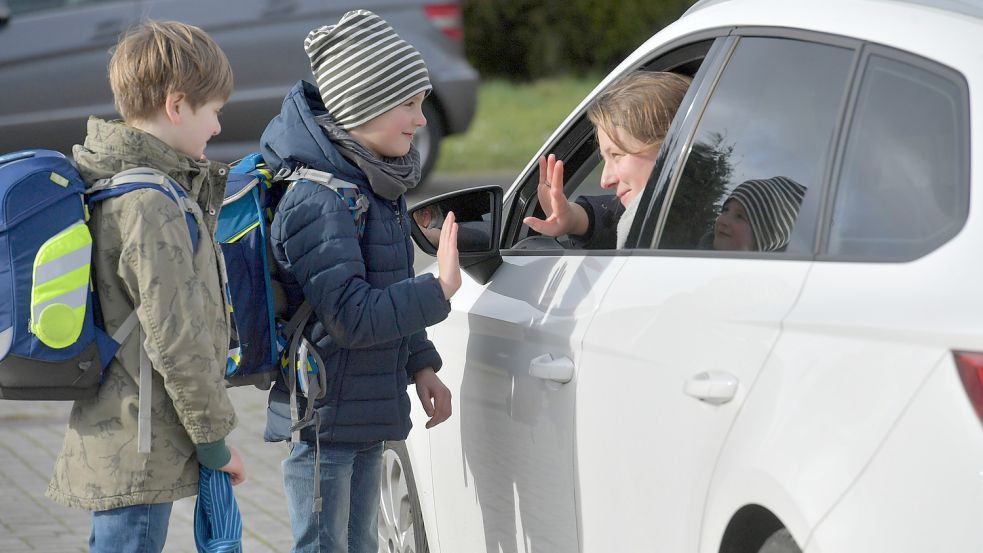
169,81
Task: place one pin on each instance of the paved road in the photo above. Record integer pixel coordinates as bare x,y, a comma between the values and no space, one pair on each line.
31,435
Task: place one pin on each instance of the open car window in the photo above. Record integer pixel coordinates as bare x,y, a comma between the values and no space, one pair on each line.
578,148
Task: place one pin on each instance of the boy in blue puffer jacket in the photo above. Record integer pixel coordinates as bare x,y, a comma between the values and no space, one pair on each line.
370,312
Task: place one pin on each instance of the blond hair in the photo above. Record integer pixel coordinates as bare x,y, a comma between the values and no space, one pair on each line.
157,58
642,104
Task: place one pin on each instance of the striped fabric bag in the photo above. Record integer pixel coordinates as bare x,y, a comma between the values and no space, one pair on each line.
218,524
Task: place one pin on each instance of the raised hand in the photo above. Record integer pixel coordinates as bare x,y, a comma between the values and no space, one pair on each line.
448,263
562,216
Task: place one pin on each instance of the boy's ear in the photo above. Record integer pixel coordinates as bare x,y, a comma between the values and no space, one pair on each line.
175,106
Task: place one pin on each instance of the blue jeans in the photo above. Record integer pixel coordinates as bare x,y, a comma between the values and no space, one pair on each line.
350,487
134,529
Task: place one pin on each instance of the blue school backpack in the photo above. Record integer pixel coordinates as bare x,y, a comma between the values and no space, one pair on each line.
53,345
263,344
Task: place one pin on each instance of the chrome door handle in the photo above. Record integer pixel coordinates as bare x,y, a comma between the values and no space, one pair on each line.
716,387
554,370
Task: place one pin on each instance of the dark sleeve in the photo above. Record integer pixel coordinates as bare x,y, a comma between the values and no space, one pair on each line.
423,354
314,238
603,213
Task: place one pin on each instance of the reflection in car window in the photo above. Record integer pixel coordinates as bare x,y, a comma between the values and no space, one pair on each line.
769,120
904,183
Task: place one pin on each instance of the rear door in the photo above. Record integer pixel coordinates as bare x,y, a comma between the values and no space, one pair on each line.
53,59
686,324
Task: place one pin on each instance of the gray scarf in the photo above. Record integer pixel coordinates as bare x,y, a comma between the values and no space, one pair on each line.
389,177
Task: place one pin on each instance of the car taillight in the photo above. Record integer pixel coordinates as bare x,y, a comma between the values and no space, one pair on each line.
447,18
970,366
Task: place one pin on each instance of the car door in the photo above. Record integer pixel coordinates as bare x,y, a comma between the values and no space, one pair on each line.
686,324
504,467
53,58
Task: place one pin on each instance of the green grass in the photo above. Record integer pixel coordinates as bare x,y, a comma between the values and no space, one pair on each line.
511,123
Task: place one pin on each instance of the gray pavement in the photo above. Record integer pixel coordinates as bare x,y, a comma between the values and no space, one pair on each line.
31,435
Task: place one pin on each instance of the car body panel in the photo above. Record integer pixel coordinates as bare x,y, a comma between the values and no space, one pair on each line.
503,466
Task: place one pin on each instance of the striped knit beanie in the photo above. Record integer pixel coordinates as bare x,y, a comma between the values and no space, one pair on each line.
772,206
363,69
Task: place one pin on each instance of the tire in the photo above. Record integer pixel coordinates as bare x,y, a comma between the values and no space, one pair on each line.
780,542
400,520
427,141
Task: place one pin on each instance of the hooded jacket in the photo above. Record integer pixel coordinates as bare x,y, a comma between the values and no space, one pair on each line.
370,312
143,259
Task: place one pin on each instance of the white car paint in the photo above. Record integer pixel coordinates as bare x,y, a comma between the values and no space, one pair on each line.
843,370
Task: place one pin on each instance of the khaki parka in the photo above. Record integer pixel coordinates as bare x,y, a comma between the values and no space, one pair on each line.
143,259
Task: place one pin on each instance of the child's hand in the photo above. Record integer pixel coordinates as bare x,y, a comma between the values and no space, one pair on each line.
448,264
562,216
235,467
434,396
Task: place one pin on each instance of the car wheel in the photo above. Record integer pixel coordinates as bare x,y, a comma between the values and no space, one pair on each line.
427,141
400,521
780,542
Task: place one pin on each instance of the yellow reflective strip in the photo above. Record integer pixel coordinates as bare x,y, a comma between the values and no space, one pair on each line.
59,180
243,233
73,238
65,284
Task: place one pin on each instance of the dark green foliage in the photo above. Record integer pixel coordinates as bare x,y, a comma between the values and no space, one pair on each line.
699,195
528,39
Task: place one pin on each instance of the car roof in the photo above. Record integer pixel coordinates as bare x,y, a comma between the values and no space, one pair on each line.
966,7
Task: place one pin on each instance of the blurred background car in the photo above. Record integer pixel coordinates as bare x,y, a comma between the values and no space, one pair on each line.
53,57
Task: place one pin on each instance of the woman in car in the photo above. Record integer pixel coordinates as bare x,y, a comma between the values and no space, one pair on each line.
631,120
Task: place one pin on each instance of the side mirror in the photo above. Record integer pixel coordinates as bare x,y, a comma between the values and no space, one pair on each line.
4,13
479,217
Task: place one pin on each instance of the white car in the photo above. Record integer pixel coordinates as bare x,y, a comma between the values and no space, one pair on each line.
667,398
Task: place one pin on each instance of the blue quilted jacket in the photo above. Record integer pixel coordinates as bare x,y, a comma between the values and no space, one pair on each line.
370,311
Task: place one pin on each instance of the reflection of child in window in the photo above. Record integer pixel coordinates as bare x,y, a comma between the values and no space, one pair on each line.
758,215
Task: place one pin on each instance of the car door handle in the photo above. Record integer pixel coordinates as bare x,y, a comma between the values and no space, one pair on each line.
554,370
716,387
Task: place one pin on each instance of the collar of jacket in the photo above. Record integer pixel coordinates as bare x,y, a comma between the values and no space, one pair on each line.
294,137
114,146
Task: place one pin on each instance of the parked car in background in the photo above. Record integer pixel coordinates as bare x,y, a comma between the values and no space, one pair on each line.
53,57
824,397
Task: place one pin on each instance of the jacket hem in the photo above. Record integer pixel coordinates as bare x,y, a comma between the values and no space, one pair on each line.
143,497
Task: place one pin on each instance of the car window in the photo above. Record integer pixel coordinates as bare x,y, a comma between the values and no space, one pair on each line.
26,6
904,181
578,148
759,155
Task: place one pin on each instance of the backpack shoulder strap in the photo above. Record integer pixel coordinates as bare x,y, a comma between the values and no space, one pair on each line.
117,185
350,193
146,177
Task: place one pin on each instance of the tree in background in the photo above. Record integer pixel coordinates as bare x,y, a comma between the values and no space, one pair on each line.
528,39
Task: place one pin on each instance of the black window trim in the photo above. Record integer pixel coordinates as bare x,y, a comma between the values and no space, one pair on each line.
836,167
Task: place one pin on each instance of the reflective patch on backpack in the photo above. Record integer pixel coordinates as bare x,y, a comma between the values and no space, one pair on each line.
60,286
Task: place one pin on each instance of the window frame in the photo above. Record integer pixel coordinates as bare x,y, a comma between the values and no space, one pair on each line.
657,215
521,200
933,67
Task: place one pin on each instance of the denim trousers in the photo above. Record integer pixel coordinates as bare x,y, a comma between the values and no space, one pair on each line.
351,476
134,529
